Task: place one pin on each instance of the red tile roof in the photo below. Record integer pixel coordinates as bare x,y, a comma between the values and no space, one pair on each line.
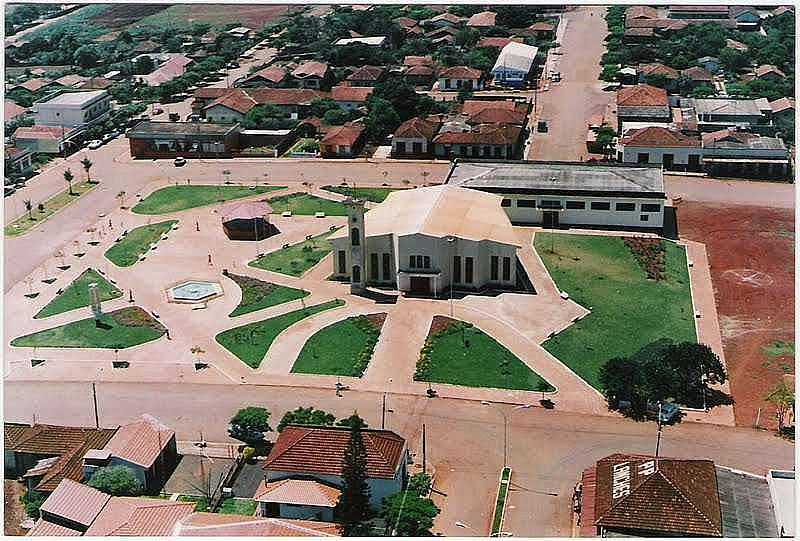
209,92
485,134
241,102
367,73
345,135
285,96
405,22
44,528
677,497
461,72
498,43
70,80
320,450
141,442
639,32
642,96
312,68
75,502
218,525
483,19
696,73
766,69
641,12
472,107
418,61
733,44
274,74
658,137
357,94
68,466
658,69
498,116
782,104
298,492
11,110
97,83
419,71
52,439
449,17
727,134
33,85
542,27
40,132
417,128
169,70
128,516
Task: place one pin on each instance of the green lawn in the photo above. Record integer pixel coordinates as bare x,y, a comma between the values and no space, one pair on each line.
119,329
462,354
296,259
258,294
238,506
201,503
137,242
307,205
628,311
376,195
24,223
177,198
341,349
502,494
252,341
76,295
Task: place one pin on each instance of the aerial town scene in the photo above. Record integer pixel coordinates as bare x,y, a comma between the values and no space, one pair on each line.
367,270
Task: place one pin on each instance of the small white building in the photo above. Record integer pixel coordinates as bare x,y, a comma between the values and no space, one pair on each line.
554,194
781,490
456,78
72,109
514,64
426,240
369,41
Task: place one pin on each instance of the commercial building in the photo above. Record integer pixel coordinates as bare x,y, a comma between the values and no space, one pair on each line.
370,41
427,240
555,194
514,64
734,153
721,113
152,139
73,109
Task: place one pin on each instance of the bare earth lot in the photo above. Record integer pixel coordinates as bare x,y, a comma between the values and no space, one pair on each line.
751,252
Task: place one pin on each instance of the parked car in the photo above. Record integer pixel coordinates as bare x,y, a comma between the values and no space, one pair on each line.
157,110
174,117
108,137
233,65
541,126
555,76
179,161
95,144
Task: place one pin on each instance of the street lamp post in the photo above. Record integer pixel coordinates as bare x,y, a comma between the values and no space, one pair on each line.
505,424
451,242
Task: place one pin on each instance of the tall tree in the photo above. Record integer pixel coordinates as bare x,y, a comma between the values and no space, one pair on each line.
87,164
116,480
354,421
29,208
782,397
69,177
249,424
353,506
306,416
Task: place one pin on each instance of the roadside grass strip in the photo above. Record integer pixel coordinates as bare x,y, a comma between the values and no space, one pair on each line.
258,294
28,221
459,353
500,502
303,204
628,310
296,259
376,195
341,349
119,329
177,198
76,295
251,342
137,242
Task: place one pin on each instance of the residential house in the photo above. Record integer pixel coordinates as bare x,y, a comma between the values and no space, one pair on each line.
482,20
780,10
641,12
642,103
495,111
499,141
44,139
151,139
647,496
638,35
418,61
719,113
542,30
74,509
444,20
235,526
370,41
746,17
493,43
514,64
96,83
733,153
698,76
413,138
782,108
709,63
344,141
445,33
659,145
317,453
351,97
736,45
460,77
409,25
19,161
578,194
170,66
366,76
13,111
420,75
230,105
656,69
146,446
271,77
305,499
242,32
691,11
768,72
314,75
72,80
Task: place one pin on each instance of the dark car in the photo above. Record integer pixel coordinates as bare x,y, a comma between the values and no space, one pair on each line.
174,117
541,126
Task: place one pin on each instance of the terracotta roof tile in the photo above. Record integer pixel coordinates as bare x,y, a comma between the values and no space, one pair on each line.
342,135
367,73
70,80
298,492
542,27
320,450
141,442
169,70
449,17
405,22
497,43
766,69
696,73
273,74
53,439
217,525
638,12
419,71
44,528
782,104
658,137
11,110
485,134
460,72
733,44
351,93
75,502
128,516
642,95
32,85
312,68
471,107
241,102
483,19
68,466
417,128
658,69
418,61
285,96
38,131
639,32
97,83
498,116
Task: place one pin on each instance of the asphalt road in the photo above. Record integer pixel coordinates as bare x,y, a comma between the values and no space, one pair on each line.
547,449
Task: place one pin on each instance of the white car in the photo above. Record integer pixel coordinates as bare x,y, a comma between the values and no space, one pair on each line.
179,161
95,144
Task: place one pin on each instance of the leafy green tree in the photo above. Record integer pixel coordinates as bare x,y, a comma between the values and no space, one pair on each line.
467,37
354,421
605,140
382,119
336,117
116,481
144,65
87,165
622,380
693,366
353,507
320,106
409,515
265,117
782,397
306,416
86,56
33,500
249,424
733,60
69,177
420,484
657,79
701,91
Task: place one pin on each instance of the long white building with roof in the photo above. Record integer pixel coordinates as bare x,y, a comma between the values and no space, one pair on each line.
514,64
423,241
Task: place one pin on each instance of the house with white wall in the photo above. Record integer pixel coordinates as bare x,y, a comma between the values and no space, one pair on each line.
661,146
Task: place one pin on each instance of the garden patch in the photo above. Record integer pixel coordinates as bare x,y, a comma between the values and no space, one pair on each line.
258,294
77,294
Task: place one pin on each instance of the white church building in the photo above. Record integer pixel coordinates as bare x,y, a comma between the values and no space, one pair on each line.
422,241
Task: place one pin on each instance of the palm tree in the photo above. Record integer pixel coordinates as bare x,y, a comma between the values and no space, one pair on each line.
87,164
29,208
69,177
121,197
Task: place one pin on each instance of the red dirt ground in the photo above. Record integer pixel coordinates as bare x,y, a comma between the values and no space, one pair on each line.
751,252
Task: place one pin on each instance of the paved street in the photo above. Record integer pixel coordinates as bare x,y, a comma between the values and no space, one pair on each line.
567,105
548,449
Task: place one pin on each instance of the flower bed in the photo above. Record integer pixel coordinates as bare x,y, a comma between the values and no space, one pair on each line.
650,254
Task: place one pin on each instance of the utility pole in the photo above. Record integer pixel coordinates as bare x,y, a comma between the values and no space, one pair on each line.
383,413
94,399
658,436
424,457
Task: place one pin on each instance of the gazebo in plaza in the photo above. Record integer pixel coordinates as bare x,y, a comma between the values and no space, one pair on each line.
248,220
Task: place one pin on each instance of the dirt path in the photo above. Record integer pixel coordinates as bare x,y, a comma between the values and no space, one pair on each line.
14,512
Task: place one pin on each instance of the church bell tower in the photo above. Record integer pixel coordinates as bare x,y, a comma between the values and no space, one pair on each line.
357,236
